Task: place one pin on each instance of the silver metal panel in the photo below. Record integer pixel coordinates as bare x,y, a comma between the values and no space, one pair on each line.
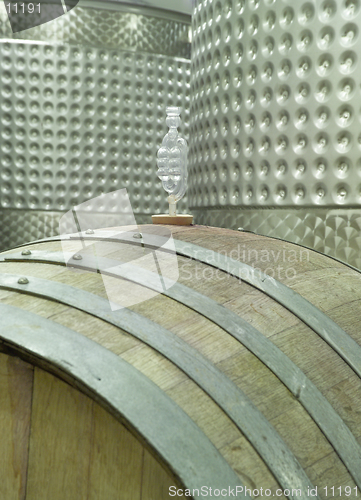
21,226
110,25
176,6
77,122
153,415
165,9
223,391
83,102
275,108
317,406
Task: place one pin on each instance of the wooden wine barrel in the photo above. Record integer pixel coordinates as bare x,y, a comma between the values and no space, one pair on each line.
237,372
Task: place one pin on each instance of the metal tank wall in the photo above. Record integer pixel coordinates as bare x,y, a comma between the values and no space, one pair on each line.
82,111
275,120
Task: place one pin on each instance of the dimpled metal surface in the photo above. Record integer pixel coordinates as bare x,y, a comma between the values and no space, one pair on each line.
21,226
276,104
81,116
18,227
110,28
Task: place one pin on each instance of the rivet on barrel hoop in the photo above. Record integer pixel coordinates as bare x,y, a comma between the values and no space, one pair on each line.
89,231
26,252
77,256
23,281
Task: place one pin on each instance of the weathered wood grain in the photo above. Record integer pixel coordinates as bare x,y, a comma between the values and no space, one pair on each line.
16,384
331,286
115,465
155,480
60,440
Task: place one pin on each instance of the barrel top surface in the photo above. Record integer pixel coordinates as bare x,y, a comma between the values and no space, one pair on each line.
293,369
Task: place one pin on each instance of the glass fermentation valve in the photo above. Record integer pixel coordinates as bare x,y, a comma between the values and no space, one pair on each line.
172,169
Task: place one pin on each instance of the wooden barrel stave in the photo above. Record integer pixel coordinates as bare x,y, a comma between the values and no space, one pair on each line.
320,272
281,335
16,379
92,442
172,315
290,341
344,367
306,311
201,411
151,415
185,396
338,314
33,438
